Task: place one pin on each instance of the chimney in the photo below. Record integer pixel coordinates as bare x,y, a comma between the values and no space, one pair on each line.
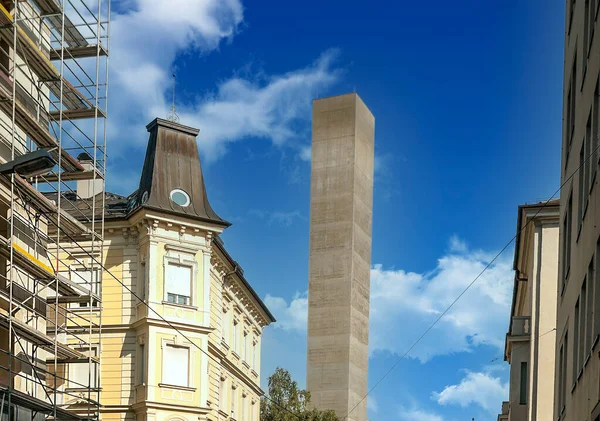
87,189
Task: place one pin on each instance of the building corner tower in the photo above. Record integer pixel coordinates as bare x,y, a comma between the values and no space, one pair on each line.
341,204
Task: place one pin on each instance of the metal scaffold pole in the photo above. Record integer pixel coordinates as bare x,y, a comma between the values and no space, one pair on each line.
53,133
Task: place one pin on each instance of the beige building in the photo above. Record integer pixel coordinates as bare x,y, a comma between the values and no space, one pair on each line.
181,326
341,207
530,342
577,391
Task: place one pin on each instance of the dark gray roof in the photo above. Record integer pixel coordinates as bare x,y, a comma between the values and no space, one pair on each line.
172,162
115,205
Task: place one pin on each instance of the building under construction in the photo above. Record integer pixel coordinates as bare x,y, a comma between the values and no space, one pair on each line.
53,96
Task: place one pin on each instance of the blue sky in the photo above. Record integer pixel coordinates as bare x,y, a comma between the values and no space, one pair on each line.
467,101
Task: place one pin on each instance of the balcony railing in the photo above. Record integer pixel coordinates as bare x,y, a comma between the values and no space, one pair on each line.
520,326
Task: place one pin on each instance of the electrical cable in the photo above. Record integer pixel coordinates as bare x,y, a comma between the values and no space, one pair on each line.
105,270
490,263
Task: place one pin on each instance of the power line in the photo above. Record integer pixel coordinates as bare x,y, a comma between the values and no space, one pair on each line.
94,259
520,345
100,265
544,204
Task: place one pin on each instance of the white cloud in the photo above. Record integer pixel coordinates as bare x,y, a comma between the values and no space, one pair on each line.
306,153
146,39
271,110
289,317
372,405
457,245
475,388
148,36
404,304
418,415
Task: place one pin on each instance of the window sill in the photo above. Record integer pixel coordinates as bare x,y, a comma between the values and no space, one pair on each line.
573,387
84,309
579,230
189,307
585,208
593,181
254,373
235,354
580,373
595,342
586,360
174,386
79,389
245,364
224,344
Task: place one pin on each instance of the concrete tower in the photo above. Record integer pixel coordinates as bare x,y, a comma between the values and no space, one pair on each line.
341,204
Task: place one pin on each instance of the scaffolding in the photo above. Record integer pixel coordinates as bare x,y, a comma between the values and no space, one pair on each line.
53,96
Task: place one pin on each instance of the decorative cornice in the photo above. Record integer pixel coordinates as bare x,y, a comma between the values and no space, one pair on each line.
170,407
235,371
245,304
172,324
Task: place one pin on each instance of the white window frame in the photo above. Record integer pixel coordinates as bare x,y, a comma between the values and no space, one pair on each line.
142,280
254,348
189,377
226,324
141,376
234,335
244,410
245,346
223,394
93,286
181,261
85,367
234,405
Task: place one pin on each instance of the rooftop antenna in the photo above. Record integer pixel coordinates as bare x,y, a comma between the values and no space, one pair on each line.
172,116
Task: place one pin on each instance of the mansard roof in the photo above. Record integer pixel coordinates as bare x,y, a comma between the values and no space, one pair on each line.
172,164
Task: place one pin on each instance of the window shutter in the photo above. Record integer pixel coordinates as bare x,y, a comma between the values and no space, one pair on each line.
178,280
79,375
175,365
84,278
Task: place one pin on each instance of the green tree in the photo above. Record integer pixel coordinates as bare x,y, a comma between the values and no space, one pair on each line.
287,402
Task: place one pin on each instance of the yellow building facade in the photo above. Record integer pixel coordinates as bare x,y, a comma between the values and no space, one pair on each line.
181,326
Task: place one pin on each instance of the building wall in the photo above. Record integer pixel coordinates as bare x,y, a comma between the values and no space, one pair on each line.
530,342
134,338
578,397
519,355
543,321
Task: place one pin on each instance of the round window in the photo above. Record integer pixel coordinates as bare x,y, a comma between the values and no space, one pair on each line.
144,197
179,197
